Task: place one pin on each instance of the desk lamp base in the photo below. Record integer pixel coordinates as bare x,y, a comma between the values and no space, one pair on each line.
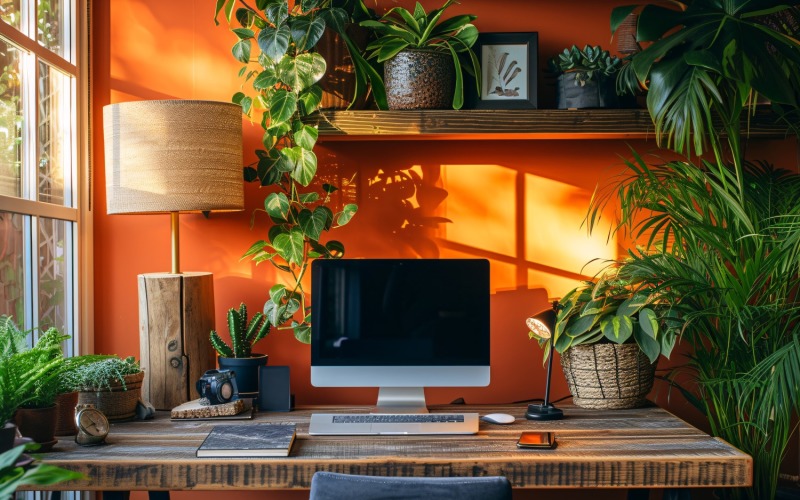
544,411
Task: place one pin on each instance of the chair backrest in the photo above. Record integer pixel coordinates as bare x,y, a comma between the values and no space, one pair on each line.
334,486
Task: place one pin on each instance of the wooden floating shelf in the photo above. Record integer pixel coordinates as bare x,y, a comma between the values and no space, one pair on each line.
506,124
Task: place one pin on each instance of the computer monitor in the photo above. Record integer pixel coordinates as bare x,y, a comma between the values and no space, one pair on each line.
400,325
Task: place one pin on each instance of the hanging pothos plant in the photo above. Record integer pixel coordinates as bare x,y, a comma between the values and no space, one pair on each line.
281,72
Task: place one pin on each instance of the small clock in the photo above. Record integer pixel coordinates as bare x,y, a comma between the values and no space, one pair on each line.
92,425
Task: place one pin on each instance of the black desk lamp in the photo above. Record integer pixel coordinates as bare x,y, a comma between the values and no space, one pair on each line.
543,325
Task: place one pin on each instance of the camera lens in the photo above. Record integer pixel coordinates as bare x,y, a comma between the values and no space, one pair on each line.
226,391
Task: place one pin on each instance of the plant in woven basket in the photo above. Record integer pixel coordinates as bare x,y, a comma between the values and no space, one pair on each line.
588,64
103,374
243,334
612,309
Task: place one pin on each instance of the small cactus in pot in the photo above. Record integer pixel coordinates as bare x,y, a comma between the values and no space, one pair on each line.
238,355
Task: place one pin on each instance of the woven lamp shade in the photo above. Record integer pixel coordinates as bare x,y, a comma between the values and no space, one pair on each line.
173,156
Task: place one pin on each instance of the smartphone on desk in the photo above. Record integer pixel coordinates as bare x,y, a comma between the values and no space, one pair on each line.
537,440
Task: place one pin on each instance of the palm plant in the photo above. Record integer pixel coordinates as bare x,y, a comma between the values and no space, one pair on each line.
727,267
704,63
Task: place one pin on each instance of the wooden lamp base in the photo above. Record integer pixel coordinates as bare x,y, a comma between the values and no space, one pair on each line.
176,314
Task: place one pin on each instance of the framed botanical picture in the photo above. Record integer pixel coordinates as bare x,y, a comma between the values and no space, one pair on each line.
509,63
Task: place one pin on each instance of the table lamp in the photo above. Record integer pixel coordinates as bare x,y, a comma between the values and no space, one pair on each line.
173,156
543,325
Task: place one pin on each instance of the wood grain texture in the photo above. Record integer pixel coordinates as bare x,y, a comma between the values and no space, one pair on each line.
506,124
642,448
176,314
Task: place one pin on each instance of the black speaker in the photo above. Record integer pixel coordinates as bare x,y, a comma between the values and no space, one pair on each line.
274,390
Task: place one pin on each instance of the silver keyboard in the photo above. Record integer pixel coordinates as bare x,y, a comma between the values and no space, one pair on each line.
377,418
392,423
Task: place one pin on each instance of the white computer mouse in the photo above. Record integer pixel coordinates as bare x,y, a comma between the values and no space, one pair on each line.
498,418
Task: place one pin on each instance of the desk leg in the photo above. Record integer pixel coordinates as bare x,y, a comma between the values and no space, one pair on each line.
125,495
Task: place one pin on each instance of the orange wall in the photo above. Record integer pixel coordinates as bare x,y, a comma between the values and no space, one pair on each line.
518,203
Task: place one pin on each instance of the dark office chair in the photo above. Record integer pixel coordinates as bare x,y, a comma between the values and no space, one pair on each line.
333,486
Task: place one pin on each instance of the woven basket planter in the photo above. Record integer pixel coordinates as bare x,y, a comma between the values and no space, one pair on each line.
608,376
117,404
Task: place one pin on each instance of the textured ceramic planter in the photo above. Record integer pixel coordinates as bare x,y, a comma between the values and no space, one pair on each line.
419,79
608,376
246,370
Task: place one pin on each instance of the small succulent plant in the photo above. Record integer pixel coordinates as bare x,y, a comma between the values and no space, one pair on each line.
589,64
243,334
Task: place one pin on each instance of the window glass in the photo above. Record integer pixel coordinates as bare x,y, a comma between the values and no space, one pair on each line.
53,138
53,26
11,142
54,261
10,12
12,265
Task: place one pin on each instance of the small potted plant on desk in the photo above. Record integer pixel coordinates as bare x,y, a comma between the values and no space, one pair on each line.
112,385
421,56
238,356
586,78
609,338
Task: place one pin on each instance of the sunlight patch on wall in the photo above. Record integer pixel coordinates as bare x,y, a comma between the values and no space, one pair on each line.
481,205
554,235
556,286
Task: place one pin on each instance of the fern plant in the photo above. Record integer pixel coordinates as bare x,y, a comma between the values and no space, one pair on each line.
99,375
243,334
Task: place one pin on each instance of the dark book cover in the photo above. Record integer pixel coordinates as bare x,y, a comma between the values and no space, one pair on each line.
256,440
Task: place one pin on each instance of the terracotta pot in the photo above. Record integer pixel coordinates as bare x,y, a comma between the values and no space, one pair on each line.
38,424
119,403
65,414
420,79
246,370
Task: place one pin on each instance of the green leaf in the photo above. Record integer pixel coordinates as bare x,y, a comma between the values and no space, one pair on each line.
346,214
302,332
278,12
277,206
581,325
243,33
282,106
227,5
309,197
335,249
647,344
290,245
312,223
303,71
649,322
310,99
617,328
306,31
632,304
241,51
255,248
667,344
266,79
274,42
303,163
306,136
245,18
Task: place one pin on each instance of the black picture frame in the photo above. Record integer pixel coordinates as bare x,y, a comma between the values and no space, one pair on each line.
517,71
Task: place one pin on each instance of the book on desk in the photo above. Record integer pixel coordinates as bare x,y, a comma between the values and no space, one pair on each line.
255,440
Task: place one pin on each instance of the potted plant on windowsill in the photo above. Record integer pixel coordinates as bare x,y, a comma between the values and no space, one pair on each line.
421,56
238,355
610,338
586,78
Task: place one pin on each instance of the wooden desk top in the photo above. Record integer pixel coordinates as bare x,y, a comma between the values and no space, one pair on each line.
643,448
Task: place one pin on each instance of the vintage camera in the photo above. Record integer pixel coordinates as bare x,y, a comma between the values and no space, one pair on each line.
218,386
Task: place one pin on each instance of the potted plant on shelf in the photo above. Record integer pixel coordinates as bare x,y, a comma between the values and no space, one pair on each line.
421,55
238,355
113,385
283,90
586,78
610,338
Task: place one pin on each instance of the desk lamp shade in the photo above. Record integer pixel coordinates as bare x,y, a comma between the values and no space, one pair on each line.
169,157
542,325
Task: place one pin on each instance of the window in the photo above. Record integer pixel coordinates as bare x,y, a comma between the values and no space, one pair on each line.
43,165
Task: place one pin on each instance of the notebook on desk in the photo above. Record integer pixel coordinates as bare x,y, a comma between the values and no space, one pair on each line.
393,424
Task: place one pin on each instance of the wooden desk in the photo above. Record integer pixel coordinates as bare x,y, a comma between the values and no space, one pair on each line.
644,448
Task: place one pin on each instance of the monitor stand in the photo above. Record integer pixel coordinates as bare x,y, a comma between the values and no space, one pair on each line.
401,400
